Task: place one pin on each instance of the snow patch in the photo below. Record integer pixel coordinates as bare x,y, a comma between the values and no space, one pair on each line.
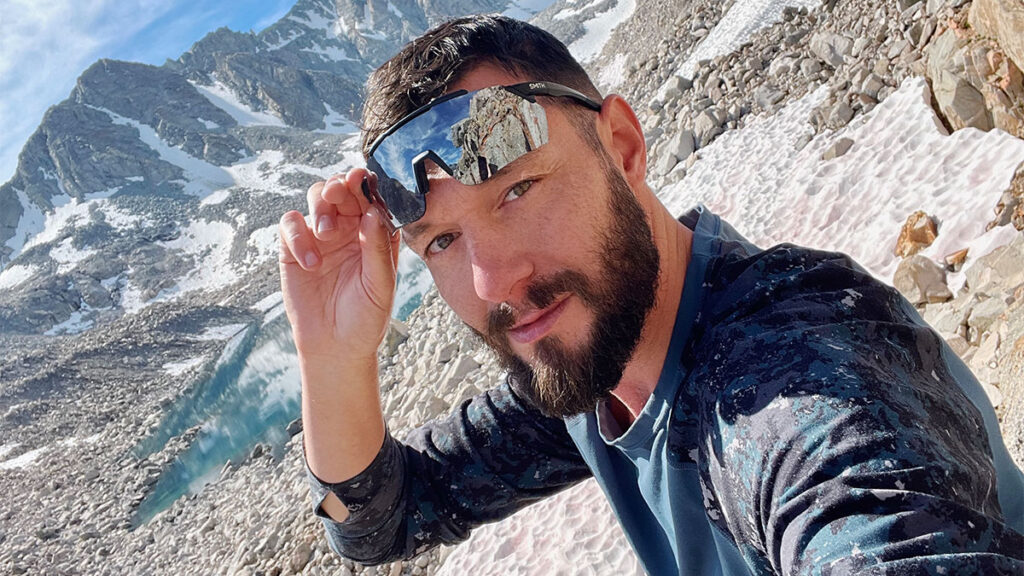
331,53
14,275
202,177
612,75
526,9
599,29
222,97
312,20
737,27
179,368
24,460
265,242
337,123
31,223
209,242
68,257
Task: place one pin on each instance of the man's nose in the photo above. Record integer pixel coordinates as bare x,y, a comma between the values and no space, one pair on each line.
501,270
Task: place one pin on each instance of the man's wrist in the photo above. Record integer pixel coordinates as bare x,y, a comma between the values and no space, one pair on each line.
336,370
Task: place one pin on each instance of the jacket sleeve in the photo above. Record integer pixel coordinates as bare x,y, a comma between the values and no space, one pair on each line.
844,438
492,456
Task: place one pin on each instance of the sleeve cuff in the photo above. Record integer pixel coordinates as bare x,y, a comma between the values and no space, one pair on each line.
373,494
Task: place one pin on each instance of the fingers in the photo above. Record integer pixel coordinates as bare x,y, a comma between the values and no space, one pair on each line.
323,215
298,245
332,201
345,192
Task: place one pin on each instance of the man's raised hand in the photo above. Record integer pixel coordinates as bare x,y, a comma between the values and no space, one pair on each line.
338,271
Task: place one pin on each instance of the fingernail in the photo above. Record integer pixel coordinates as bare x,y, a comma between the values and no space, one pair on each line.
324,224
311,260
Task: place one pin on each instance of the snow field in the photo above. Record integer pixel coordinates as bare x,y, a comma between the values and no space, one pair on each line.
574,532
901,161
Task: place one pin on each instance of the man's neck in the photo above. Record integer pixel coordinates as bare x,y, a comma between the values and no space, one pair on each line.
641,375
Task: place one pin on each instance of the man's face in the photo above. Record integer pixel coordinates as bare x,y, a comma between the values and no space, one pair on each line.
551,261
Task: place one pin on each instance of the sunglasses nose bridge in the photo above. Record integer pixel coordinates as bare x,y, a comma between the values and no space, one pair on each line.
419,168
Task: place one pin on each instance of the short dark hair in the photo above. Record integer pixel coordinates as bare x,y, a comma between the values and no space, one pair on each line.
424,68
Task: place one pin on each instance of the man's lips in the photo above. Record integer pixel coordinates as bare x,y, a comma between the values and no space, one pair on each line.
536,324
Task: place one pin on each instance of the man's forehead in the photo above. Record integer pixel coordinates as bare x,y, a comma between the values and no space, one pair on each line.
435,173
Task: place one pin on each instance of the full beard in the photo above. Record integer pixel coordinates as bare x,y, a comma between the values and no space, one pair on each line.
562,381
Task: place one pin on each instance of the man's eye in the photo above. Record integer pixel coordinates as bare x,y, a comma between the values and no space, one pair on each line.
441,243
518,190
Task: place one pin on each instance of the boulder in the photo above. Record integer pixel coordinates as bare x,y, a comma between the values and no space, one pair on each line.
918,233
974,83
921,280
831,48
1004,21
706,127
841,146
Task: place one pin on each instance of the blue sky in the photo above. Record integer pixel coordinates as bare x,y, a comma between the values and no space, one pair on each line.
44,46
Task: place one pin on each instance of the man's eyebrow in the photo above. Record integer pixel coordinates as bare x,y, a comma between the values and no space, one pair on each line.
414,231
513,165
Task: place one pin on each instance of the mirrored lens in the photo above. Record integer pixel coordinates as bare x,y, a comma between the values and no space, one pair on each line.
471,137
498,128
402,203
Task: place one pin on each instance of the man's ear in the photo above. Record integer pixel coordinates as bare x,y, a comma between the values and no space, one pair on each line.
623,137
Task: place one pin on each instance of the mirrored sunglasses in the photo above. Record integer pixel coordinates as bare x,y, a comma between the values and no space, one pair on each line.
469,135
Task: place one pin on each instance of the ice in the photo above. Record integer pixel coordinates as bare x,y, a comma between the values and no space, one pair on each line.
599,29
901,161
222,97
269,302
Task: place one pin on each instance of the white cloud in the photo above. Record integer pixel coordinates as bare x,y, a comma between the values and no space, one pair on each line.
44,46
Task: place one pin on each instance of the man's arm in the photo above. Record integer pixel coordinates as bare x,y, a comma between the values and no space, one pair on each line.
491,457
842,441
338,281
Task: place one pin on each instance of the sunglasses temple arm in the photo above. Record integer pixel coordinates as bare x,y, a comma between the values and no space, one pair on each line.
374,198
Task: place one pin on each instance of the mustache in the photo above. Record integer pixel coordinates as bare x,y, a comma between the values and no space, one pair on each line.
540,294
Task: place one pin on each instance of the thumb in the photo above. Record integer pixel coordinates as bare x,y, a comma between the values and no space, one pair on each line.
378,268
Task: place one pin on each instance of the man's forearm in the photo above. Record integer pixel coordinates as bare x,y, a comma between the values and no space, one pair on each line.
343,425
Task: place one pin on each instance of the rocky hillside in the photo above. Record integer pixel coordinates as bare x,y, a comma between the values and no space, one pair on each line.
137,252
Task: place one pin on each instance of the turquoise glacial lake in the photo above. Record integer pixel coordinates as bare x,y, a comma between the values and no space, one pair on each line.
249,396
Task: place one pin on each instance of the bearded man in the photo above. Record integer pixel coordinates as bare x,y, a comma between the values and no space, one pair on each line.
745,411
